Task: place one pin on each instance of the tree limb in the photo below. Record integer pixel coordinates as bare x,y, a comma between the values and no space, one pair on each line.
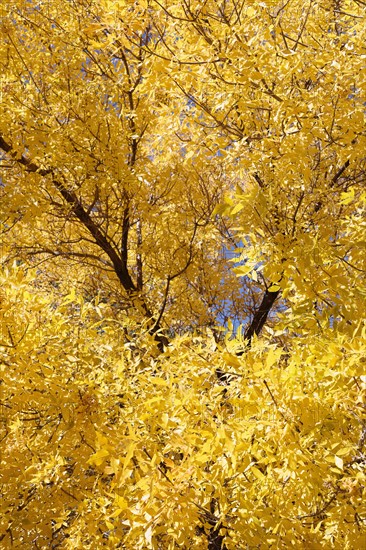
260,315
77,209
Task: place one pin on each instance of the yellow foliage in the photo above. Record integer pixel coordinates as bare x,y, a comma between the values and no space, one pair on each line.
105,450
182,286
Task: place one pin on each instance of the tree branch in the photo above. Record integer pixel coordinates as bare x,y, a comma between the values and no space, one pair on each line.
125,231
77,209
139,277
80,213
340,172
260,316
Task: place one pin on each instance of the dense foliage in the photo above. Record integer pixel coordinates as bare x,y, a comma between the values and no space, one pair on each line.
106,445
183,281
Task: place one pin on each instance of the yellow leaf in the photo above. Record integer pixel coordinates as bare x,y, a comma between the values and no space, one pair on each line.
272,357
231,359
159,381
274,288
242,270
99,457
344,451
120,502
257,473
338,462
237,208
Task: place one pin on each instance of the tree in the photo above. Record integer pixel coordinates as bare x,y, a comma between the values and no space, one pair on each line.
99,180
143,143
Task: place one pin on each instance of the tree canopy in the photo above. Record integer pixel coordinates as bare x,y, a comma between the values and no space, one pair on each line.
183,274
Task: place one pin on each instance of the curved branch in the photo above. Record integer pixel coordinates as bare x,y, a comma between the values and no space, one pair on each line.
118,262
80,213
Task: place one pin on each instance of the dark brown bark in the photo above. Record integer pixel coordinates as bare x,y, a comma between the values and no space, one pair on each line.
340,172
101,240
215,540
255,327
260,316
